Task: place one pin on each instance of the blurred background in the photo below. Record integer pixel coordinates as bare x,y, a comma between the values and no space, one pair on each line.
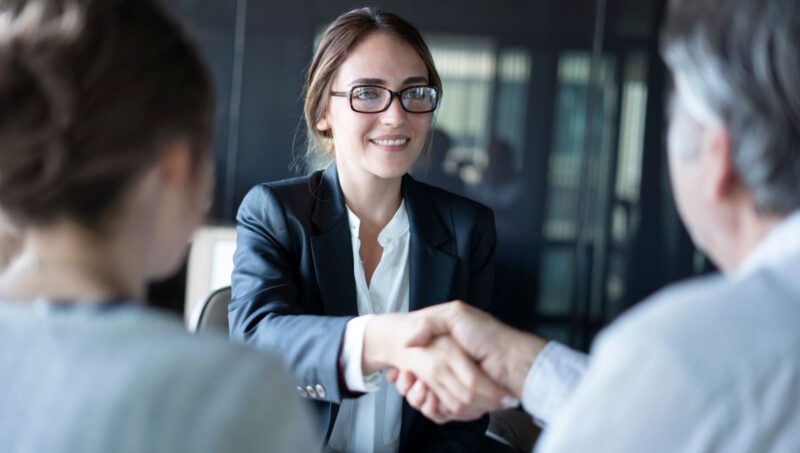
553,115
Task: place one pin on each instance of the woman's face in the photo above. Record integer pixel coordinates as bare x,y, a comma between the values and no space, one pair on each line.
385,144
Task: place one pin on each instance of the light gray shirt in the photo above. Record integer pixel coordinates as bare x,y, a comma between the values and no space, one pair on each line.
710,365
89,378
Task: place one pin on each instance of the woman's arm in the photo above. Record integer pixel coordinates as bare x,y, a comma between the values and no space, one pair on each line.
264,311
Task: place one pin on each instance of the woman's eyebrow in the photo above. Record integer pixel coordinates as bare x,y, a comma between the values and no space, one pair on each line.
381,82
368,82
416,79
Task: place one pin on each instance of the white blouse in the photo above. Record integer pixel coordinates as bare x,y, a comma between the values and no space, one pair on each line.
371,423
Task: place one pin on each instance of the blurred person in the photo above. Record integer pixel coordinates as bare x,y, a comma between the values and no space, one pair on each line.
712,364
325,262
10,243
105,170
501,188
430,167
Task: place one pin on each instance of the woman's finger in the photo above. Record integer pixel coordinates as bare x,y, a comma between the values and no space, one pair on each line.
391,374
417,394
405,381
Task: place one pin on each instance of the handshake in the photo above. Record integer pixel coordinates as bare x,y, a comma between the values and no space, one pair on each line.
452,362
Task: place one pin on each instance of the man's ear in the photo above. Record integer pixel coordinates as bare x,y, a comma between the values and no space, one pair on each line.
722,179
175,163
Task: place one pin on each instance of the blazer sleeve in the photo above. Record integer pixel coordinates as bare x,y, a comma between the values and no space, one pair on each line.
265,312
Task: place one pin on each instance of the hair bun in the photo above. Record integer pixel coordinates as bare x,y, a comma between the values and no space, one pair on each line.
35,109
89,90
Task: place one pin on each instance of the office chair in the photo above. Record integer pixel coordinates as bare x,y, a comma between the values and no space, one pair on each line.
212,313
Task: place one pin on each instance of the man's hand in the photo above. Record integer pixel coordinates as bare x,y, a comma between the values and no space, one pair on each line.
462,389
504,354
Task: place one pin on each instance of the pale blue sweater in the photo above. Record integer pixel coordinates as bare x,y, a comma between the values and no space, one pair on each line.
123,378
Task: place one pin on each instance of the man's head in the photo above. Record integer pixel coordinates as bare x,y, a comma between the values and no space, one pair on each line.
735,129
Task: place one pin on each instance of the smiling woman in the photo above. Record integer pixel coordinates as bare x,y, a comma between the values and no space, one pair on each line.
327,264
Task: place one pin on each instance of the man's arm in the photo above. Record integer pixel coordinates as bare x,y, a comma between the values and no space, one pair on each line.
542,374
552,380
638,395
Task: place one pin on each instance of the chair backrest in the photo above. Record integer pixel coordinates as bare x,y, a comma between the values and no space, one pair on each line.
210,265
514,429
212,313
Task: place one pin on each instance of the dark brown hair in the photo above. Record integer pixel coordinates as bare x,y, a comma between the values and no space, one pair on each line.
341,36
90,90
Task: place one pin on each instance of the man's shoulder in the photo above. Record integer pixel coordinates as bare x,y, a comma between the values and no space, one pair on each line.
713,325
717,302
678,305
713,346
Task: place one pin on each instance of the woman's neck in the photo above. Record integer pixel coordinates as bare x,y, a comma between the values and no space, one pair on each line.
372,199
70,263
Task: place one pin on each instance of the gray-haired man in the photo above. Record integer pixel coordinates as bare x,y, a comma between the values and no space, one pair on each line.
713,364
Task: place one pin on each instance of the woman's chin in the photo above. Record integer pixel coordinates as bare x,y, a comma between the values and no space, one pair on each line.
391,172
392,168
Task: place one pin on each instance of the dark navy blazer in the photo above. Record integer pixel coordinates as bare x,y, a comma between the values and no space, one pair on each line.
294,288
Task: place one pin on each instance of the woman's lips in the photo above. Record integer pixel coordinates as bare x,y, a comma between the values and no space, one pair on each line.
391,144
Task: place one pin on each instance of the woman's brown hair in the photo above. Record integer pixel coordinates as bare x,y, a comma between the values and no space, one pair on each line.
341,36
90,90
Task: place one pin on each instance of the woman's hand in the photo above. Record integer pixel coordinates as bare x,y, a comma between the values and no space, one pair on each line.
451,382
418,396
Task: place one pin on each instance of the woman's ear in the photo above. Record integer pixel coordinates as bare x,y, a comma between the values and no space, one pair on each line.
175,163
323,125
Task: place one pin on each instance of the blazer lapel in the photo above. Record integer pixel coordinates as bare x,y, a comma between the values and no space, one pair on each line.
332,248
431,265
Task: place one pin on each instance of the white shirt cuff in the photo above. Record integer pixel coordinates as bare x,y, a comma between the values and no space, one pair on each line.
351,357
551,381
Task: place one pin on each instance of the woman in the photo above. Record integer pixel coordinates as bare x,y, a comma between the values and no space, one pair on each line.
105,119
323,260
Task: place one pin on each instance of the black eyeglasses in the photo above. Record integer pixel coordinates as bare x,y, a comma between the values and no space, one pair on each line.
376,99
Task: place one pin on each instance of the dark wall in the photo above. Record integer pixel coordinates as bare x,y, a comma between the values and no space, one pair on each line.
258,52
265,71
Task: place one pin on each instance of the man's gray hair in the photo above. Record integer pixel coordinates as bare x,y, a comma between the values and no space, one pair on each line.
741,58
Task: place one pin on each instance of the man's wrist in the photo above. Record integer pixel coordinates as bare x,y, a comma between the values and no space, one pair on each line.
523,349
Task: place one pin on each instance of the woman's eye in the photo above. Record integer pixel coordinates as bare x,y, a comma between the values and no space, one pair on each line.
416,94
366,94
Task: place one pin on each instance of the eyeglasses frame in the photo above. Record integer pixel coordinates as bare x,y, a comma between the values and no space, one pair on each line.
392,95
